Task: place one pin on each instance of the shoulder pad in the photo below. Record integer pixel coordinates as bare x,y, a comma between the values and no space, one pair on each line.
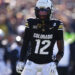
59,24
30,22
57,21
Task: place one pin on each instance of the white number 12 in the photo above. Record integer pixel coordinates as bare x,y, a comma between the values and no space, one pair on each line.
42,51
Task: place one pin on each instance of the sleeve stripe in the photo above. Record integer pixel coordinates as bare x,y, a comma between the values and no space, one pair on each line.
60,29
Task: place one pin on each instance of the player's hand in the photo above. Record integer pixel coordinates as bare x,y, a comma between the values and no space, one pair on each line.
54,59
20,66
52,68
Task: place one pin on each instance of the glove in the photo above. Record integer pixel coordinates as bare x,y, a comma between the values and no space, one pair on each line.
52,68
20,67
54,59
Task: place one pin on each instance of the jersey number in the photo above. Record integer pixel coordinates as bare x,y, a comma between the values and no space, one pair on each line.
42,51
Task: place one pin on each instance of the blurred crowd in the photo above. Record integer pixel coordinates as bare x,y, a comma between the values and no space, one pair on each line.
13,15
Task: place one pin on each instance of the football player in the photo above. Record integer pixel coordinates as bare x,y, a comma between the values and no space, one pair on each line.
40,35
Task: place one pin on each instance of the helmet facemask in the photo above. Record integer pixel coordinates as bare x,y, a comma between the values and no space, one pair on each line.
42,13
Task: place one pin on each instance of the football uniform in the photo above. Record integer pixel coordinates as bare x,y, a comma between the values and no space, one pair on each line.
40,36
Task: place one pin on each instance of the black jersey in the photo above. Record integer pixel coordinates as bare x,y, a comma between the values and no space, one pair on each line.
41,36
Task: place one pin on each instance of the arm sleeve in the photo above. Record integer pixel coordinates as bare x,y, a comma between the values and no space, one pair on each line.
60,42
26,40
59,32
